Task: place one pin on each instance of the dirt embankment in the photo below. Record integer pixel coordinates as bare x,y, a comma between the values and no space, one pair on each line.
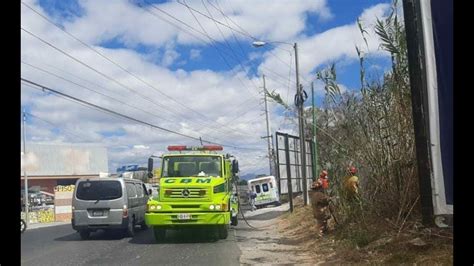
380,243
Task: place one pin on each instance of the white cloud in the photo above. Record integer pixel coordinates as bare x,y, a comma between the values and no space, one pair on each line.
195,54
141,147
169,57
334,45
133,25
221,106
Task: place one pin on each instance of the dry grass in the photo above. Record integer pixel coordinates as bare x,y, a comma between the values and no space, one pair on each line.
383,245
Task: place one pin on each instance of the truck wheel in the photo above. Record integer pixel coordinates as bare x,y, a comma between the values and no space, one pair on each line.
159,234
234,221
85,234
223,231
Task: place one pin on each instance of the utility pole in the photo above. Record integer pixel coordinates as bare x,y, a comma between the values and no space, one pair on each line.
315,145
24,172
300,103
412,16
270,157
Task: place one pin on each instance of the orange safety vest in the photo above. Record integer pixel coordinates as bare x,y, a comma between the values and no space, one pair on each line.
324,183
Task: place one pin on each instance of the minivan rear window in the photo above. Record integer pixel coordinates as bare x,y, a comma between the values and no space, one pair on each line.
99,190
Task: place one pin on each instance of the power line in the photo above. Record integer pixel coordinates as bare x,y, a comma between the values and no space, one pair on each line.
235,38
192,28
212,42
222,12
246,33
195,30
122,102
228,45
89,89
231,31
121,67
86,103
56,126
200,25
110,60
89,67
217,21
209,37
77,60
187,25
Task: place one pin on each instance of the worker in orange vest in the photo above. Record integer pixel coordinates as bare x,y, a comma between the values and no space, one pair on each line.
320,202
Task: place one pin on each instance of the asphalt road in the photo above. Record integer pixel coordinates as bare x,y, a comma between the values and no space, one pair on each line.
60,245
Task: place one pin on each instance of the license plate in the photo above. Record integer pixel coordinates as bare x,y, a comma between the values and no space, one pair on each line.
98,213
184,216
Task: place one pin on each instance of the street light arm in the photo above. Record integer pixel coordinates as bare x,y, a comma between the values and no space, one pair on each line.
262,43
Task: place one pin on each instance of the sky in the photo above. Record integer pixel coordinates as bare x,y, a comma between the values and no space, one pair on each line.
185,67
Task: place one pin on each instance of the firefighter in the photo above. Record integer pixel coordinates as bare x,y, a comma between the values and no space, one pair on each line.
323,179
351,192
252,197
351,183
320,202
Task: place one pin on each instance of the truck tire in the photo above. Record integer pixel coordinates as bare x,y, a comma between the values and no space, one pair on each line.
159,234
85,234
223,231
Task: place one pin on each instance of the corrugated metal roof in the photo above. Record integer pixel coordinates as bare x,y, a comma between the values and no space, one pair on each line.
64,159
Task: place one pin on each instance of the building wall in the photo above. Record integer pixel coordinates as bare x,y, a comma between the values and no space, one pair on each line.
45,184
48,183
64,159
62,203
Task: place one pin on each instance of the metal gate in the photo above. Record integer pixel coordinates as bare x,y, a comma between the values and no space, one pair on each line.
288,162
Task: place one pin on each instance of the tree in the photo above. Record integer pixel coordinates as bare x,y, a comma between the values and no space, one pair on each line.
372,128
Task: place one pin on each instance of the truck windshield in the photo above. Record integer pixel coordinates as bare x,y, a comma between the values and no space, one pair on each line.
99,190
185,166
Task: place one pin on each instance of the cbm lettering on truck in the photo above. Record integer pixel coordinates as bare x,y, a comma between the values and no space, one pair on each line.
196,189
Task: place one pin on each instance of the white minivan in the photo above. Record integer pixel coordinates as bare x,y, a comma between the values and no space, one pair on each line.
108,204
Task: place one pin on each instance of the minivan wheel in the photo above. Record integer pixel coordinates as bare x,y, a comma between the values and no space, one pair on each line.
159,234
85,234
143,225
130,231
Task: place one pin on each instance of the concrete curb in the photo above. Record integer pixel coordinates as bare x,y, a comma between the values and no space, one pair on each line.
42,225
283,207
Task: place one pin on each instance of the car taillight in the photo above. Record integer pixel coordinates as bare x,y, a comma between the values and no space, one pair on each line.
125,211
